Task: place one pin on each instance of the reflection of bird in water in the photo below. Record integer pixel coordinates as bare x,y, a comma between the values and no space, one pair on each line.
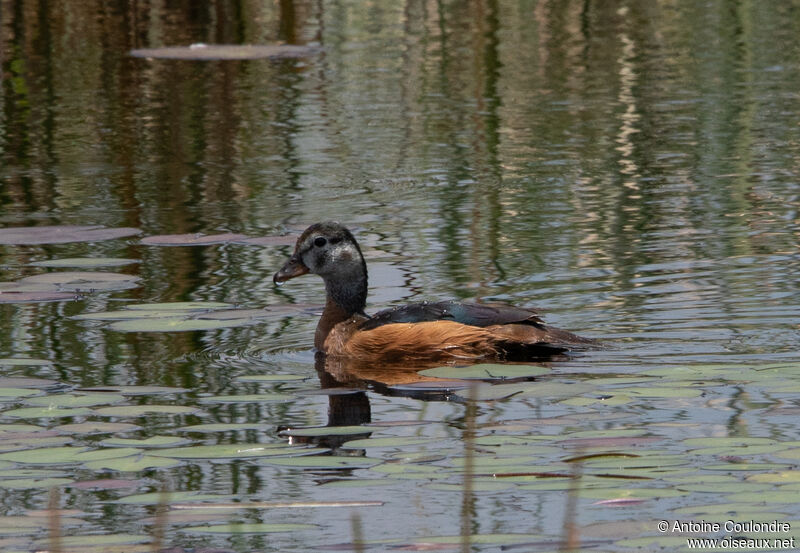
413,334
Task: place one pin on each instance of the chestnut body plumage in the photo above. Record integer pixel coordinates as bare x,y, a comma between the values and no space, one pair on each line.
427,331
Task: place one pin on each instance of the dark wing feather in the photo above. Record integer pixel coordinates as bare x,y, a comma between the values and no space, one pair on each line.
474,314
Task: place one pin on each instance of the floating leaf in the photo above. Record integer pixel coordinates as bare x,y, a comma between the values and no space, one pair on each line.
389,442
324,462
271,377
180,306
47,412
486,371
25,362
132,464
9,394
191,239
153,441
74,400
32,483
44,456
26,382
154,498
225,52
141,410
85,262
247,398
234,451
247,528
175,324
326,431
11,296
96,427
224,427
61,234
136,390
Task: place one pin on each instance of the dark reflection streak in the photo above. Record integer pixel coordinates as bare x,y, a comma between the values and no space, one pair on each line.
287,31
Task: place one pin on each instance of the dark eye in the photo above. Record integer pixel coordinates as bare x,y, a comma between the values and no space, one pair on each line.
320,241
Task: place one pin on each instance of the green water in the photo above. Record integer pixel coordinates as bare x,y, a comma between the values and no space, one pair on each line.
631,169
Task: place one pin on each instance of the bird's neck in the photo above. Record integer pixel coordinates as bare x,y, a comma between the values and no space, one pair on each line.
345,297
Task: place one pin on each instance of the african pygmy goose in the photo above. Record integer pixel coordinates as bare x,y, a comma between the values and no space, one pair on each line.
440,331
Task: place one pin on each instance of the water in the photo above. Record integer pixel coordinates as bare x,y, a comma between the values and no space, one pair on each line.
630,169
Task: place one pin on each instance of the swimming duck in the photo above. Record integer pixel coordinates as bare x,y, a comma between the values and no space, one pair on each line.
427,331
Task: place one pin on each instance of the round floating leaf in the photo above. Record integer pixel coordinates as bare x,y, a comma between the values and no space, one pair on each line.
64,278
34,297
783,477
476,486
789,454
233,451
175,324
224,52
424,543
136,390
225,427
191,239
123,315
486,371
661,392
6,429
154,498
8,394
153,441
270,377
44,456
96,427
74,400
141,410
25,382
47,412
247,528
32,483
247,398
24,362
324,462
99,540
326,431
135,463
739,467
180,306
61,234
85,262
389,442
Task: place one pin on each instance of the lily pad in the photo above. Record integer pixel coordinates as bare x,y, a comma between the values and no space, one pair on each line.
324,462
180,306
153,441
74,400
271,377
141,410
191,239
247,528
389,442
234,451
61,234
486,371
84,262
225,427
134,463
136,390
326,431
32,483
224,52
154,498
176,324
47,412
96,427
247,398
11,296
10,394
24,362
